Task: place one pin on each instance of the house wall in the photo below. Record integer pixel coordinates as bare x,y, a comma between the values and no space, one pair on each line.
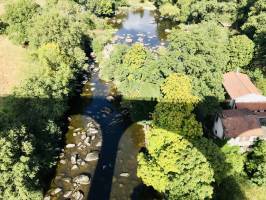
218,130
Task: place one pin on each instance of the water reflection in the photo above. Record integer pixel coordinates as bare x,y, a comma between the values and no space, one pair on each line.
142,26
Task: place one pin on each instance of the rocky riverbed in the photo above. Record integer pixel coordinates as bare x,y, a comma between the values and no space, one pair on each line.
77,161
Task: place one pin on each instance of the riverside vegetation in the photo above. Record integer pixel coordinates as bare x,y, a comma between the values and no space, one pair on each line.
179,161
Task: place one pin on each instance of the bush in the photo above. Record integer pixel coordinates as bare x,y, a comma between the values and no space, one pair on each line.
256,163
174,110
170,11
101,7
19,16
17,165
241,50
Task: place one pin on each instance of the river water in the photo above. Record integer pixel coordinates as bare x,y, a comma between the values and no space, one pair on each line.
118,141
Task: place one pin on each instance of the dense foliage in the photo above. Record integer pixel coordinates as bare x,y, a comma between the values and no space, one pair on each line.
174,111
133,72
175,167
201,10
102,7
256,164
18,17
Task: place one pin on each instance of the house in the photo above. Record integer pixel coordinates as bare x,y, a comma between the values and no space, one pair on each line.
240,126
245,122
242,93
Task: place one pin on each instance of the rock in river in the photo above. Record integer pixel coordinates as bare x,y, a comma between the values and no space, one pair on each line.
92,156
99,144
56,191
47,198
67,180
124,174
82,180
70,145
110,98
74,167
78,195
67,194
73,159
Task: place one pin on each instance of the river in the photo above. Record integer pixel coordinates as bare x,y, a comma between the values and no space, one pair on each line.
114,147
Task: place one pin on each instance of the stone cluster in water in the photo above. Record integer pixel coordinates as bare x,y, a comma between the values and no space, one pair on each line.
72,179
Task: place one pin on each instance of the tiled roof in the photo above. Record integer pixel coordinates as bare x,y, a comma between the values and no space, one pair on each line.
237,84
241,123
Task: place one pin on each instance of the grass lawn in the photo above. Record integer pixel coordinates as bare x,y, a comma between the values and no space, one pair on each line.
15,65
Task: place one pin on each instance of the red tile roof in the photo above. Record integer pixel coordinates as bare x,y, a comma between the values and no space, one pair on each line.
237,84
241,123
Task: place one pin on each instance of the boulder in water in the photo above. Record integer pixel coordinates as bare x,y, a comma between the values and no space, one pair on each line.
47,198
67,194
99,144
56,191
67,180
74,167
73,159
124,174
92,156
70,145
63,162
82,180
110,98
78,195
129,40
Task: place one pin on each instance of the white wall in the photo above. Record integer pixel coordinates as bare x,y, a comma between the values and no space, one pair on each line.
218,128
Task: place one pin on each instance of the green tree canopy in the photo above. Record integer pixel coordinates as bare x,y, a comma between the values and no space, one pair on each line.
174,111
256,164
241,50
201,52
16,166
18,16
173,166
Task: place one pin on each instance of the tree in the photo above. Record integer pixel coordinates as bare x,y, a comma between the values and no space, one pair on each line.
16,166
222,11
176,10
101,7
241,50
256,164
255,28
136,76
173,166
255,23
109,65
174,110
18,16
202,53
170,11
